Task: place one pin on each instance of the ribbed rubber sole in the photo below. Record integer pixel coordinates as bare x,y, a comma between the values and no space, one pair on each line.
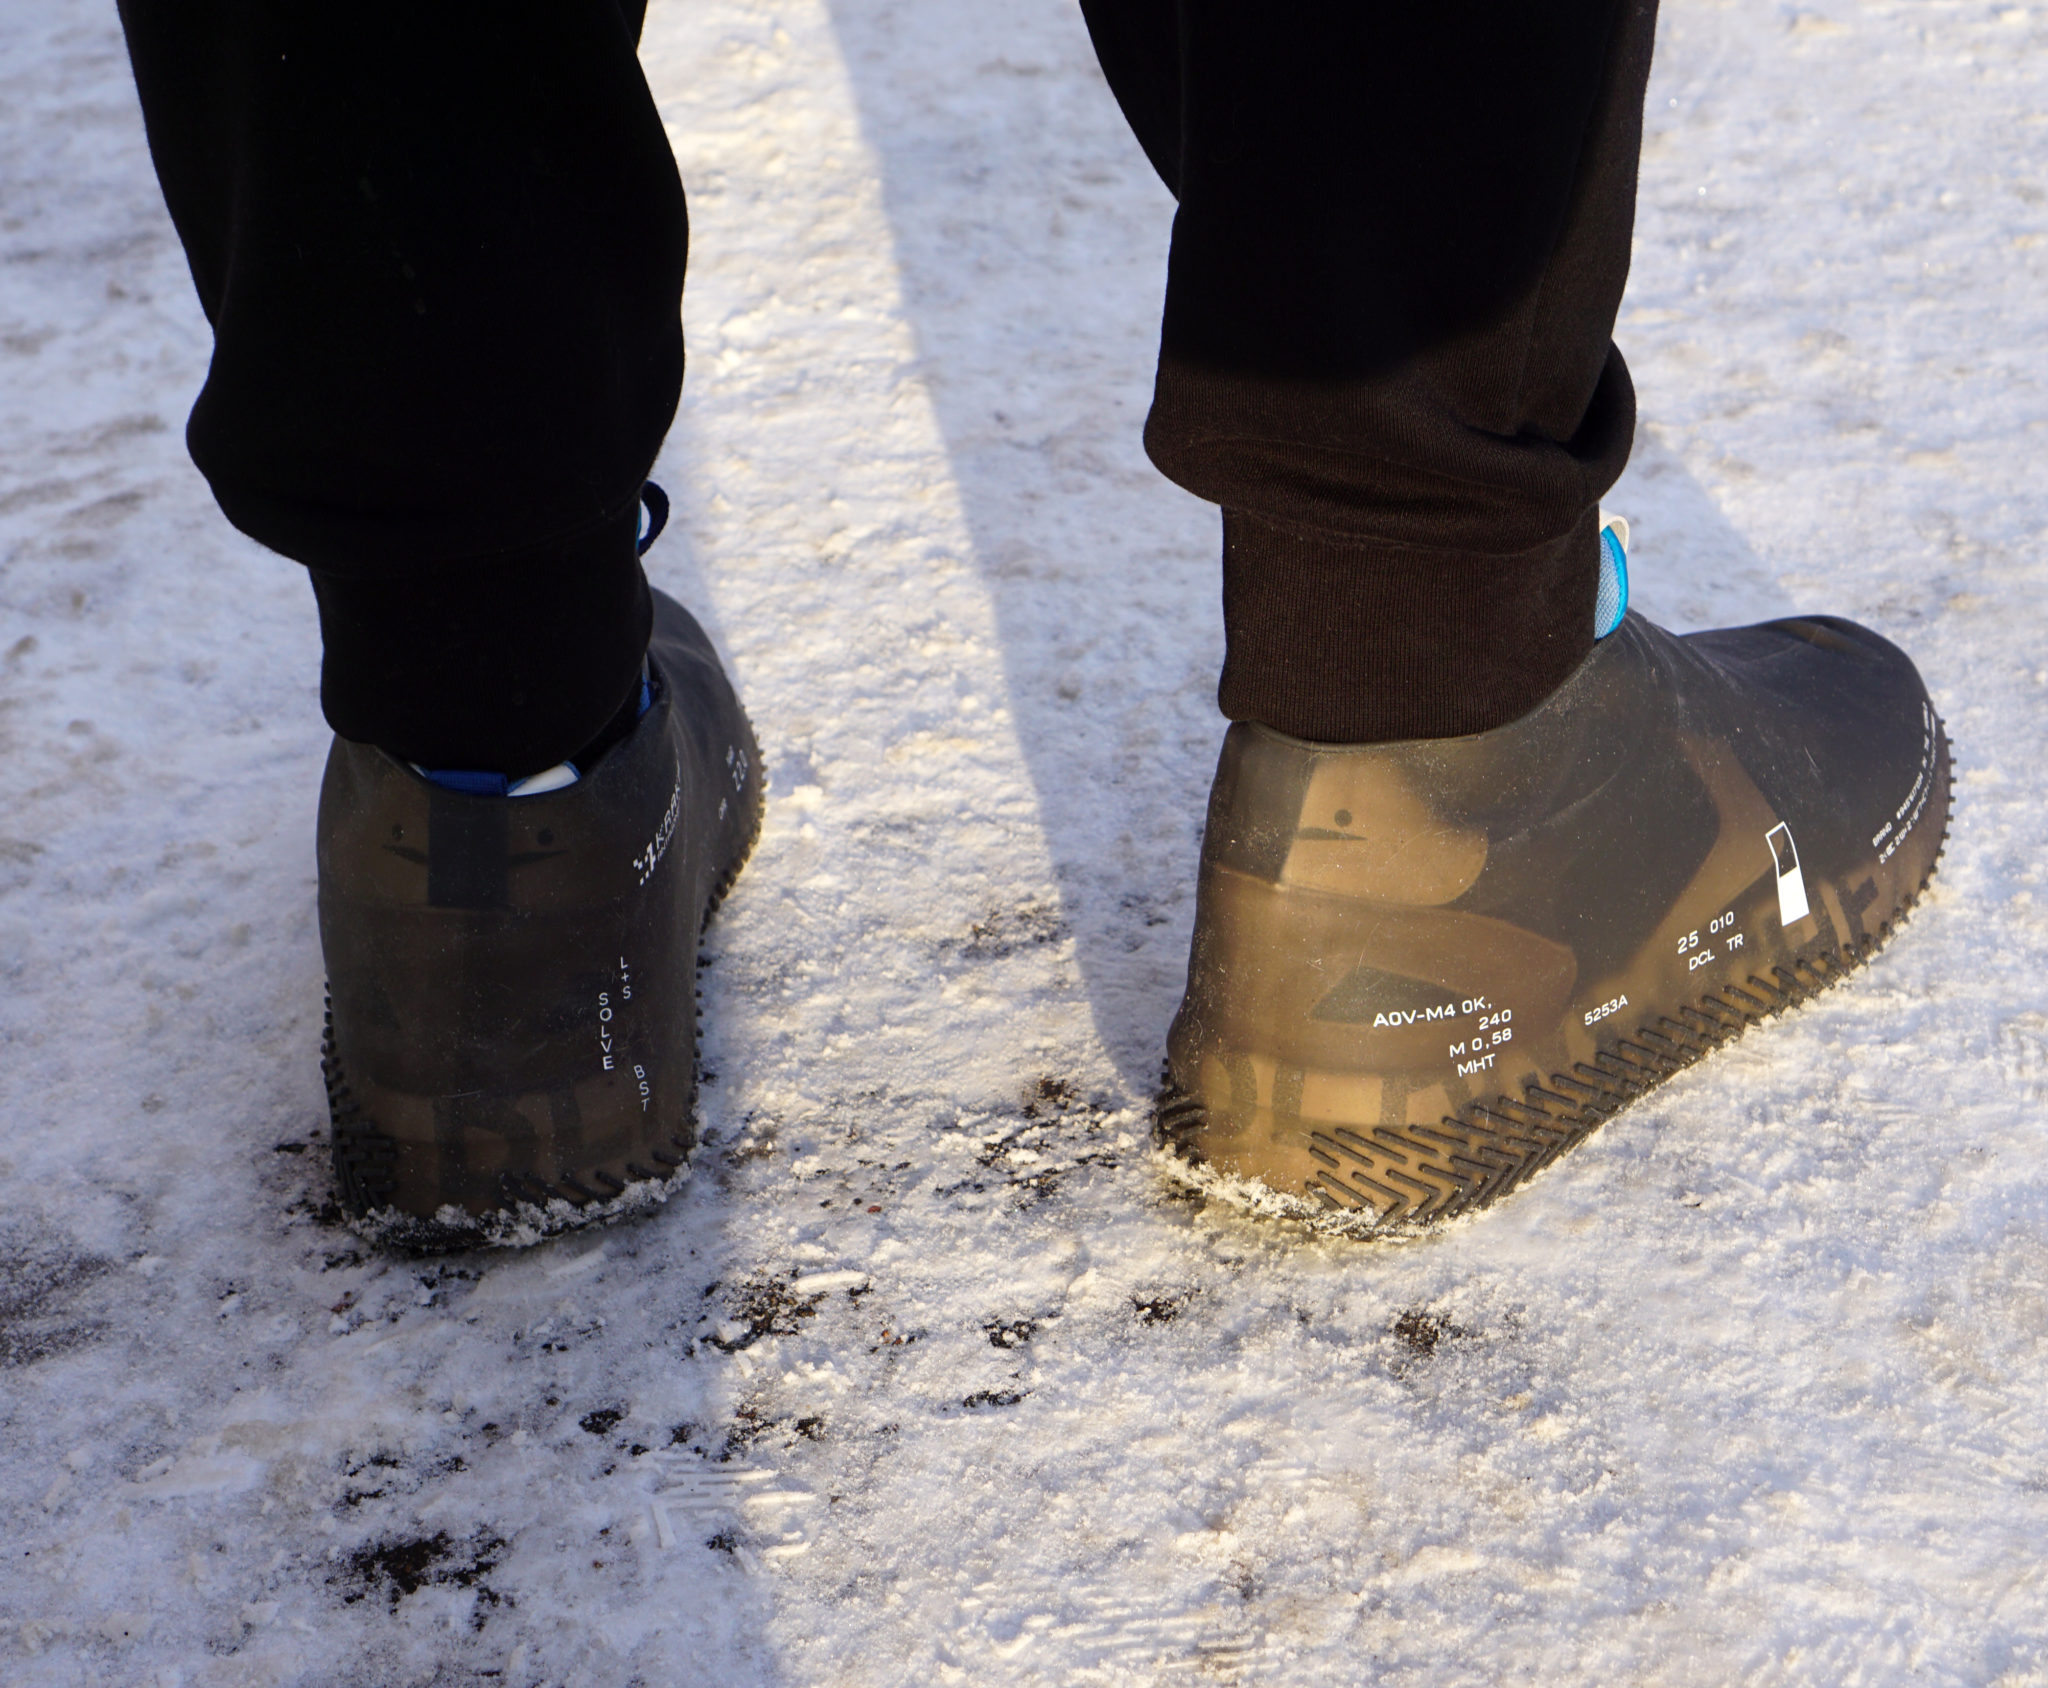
1399,1180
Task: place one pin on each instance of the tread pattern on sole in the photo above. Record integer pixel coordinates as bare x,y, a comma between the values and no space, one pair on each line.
1410,1177
364,1158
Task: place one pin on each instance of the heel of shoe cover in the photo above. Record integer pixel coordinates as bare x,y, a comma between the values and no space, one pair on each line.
512,1031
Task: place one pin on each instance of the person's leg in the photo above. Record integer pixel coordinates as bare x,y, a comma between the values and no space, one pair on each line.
1402,238
442,250
1486,856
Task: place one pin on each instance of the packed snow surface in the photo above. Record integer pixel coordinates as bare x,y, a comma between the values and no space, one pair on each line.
930,1376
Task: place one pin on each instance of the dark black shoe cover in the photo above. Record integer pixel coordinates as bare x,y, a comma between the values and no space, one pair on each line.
1423,970
511,1043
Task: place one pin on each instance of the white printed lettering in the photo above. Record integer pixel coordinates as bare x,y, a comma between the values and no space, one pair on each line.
1606,1008
649,859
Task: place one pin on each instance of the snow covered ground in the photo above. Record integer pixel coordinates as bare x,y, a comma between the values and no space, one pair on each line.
930,1376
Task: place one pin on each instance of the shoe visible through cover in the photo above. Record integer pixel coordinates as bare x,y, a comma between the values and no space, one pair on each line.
512,980
1423,970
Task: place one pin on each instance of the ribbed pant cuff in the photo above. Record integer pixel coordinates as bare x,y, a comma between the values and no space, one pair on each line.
1350,642
511,664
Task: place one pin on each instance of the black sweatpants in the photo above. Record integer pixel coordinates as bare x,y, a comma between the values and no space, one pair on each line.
442,250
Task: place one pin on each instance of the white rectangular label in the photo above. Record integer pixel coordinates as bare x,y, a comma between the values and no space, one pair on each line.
1791,883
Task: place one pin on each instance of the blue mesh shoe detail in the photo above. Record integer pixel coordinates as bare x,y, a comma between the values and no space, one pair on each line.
1612,603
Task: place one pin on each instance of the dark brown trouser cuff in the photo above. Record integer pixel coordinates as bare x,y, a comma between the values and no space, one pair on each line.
1346,641
511,664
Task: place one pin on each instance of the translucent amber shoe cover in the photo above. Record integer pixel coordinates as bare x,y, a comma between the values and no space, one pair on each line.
1423,970
512,1031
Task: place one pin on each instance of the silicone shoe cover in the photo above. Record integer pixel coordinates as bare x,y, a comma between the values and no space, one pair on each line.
1423,970
511,1042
